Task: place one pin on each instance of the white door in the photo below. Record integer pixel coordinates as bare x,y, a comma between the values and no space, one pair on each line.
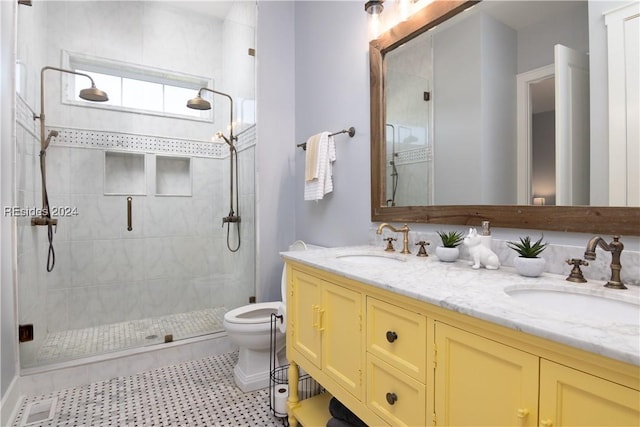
572,127
623,29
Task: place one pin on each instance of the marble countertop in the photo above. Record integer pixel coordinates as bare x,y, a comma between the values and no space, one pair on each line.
481,294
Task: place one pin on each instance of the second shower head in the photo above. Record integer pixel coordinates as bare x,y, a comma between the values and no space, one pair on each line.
199,103
93,94
52,134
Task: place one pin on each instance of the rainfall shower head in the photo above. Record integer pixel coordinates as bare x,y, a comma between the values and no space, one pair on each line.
199,103
93,94
90,94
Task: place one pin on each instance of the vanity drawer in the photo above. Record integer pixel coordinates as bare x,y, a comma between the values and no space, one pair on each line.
397,336
397,398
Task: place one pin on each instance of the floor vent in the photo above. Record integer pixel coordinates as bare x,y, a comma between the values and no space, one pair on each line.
37,412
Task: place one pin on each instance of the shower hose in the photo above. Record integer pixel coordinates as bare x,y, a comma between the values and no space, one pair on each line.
51,254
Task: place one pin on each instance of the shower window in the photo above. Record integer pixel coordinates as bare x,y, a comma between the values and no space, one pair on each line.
136,88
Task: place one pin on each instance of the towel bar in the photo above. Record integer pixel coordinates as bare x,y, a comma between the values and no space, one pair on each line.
351,131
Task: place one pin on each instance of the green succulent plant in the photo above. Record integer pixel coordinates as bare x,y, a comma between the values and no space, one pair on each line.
451,239
526,249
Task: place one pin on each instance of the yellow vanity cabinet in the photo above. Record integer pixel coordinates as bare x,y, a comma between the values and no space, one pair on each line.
569,397
325,323
482,382
398,361
327,328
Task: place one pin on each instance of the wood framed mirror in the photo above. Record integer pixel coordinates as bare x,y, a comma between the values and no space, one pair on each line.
582,219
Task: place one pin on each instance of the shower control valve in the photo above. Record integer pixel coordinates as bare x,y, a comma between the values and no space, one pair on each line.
231,218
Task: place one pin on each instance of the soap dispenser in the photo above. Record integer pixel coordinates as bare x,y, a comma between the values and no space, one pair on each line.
485,235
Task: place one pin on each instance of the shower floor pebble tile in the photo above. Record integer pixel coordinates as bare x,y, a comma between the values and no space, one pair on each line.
191,394
78,343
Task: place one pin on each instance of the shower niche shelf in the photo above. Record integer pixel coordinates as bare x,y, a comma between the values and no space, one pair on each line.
173,176
124,173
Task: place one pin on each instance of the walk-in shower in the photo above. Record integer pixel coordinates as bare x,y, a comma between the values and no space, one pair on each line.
139,258
90,94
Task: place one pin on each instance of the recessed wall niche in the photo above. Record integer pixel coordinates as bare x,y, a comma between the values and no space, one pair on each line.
173,176
124,173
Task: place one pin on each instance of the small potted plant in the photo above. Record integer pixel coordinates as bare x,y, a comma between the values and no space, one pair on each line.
528,263
448,251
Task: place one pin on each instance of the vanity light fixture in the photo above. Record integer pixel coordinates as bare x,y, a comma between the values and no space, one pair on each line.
374,7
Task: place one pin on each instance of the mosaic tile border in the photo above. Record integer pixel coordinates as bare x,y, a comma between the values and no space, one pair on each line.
105,140
423,154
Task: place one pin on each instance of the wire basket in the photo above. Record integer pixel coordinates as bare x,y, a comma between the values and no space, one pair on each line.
279,376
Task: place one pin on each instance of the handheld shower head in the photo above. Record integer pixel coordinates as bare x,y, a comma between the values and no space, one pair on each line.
52,134
221,135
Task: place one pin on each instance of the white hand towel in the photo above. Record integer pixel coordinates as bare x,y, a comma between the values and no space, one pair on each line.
316,188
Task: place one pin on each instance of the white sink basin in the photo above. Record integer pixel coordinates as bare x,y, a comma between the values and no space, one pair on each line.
372,259
586,306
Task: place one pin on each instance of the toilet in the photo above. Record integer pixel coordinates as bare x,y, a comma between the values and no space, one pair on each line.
249,327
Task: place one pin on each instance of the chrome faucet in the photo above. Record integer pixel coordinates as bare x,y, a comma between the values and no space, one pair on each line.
404,230
615,247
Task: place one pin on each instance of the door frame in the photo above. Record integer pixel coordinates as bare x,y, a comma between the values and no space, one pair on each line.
524,113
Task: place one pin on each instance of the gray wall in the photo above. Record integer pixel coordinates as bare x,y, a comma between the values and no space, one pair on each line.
275,149
313,75
332,93
474,106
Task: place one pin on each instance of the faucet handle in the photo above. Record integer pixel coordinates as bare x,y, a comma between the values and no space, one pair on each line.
422,251
390,241
576,274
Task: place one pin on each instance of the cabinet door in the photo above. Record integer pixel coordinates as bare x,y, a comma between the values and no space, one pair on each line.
342,341
304,312
573,398
482,382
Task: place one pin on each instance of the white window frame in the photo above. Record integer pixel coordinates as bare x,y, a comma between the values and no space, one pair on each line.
77,61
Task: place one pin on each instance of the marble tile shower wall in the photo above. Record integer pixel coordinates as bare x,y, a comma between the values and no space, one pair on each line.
174,259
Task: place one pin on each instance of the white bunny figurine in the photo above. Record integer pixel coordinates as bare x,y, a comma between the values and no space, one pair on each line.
480,254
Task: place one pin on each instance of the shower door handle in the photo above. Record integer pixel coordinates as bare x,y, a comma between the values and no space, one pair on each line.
129,226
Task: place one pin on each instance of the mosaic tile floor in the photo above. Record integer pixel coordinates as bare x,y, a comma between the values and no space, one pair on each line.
78,343
190,394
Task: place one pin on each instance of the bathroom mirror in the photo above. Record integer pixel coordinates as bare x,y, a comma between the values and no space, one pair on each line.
465,201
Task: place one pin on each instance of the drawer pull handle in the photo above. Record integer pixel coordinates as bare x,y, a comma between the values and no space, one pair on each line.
546,423
391,336
392,398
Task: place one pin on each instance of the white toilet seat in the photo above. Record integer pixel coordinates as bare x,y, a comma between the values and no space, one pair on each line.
252,313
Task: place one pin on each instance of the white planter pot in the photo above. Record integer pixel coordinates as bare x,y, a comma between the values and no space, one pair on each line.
529,267
447,254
